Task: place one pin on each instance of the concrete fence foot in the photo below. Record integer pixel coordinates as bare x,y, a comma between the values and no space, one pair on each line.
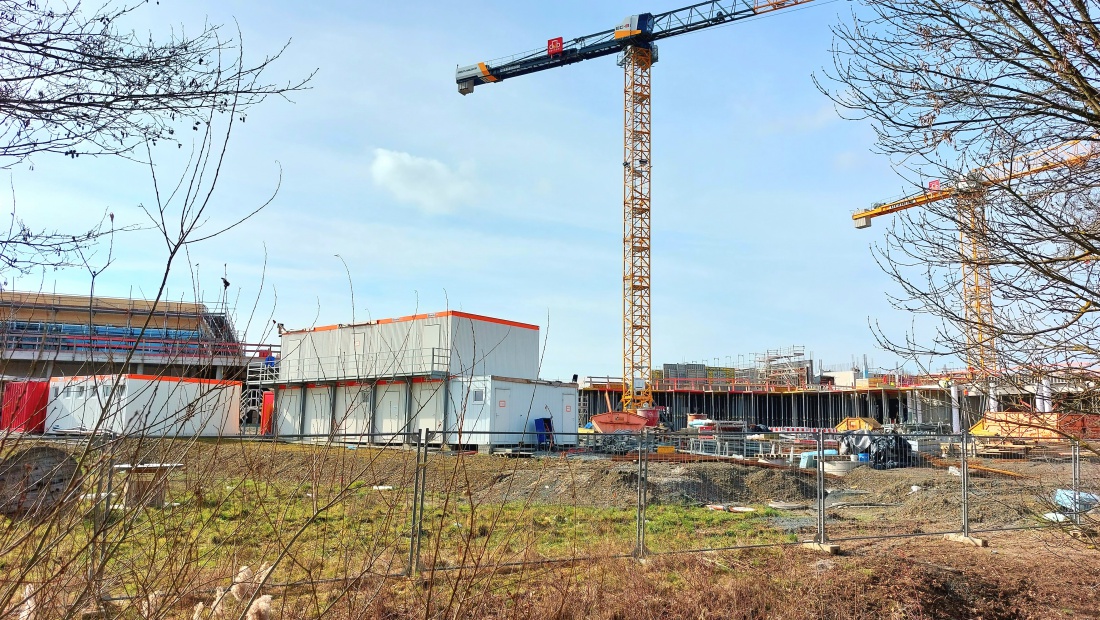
829,548
966,540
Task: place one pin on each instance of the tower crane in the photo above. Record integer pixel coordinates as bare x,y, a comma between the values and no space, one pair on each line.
969,193
634,42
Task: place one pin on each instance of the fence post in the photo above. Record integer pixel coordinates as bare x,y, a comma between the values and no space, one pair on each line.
1076,451
643,475
417,503
821,536
424,434
964,475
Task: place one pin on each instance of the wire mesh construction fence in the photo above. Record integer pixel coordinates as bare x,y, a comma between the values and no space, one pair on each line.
183,516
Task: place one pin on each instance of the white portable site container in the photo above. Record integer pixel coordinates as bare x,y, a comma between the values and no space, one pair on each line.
436,345
487,410
498,411
144,405
349,408
385,380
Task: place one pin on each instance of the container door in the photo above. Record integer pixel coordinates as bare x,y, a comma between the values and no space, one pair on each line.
428,406
318,411
390,415
566,420
501,397
357,409
287,410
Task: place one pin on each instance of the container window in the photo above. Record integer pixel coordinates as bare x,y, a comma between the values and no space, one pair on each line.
479,397
364,397
56,391
78,391
105,391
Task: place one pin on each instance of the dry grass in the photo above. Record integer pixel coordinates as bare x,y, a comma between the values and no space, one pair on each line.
335,524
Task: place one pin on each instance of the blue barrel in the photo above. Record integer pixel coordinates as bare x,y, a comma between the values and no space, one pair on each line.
544,430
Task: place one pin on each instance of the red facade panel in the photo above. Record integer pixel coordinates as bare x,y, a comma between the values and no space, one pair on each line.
267,414
24,406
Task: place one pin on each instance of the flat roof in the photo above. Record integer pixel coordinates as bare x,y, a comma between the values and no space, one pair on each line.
25,299
417,317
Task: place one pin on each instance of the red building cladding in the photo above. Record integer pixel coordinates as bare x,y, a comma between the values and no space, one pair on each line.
24,406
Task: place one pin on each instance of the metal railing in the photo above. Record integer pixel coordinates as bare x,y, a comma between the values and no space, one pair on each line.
120,346
735,385
299,366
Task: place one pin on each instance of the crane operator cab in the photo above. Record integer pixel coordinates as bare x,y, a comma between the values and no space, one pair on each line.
634,26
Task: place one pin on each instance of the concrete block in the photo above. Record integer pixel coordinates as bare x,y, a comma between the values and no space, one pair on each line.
829,548
966,540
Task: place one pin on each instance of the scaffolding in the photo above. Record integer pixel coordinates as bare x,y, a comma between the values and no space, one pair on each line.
47,314
787,367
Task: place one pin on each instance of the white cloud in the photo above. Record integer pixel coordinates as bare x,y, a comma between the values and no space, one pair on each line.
425,183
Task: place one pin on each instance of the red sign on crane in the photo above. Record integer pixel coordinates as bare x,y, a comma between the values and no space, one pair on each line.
554,46
934,185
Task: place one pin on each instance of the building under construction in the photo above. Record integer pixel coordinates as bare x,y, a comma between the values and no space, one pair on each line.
49,335
780,388
44,335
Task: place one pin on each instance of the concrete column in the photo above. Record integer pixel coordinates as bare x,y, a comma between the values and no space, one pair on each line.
1042,397
908,404
994,404
409,409
274,410
956,419
447,406
373,404
302,410
333,427
920,409
219,372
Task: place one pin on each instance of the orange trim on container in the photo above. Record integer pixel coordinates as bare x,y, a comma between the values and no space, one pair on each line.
104,378
183,380
489,319
418,317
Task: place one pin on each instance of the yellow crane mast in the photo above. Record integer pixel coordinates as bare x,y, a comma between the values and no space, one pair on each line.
634,42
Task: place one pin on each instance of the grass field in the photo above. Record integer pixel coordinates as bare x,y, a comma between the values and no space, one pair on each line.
337,524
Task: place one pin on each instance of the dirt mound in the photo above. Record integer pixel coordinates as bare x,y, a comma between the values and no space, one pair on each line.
606,484
933,494
589,484
720,483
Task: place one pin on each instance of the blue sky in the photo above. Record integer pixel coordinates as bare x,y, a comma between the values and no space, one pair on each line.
507,202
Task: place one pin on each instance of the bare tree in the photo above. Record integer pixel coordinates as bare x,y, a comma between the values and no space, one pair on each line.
77,82
974,93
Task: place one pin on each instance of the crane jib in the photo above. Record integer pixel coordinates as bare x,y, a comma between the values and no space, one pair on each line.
637,30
